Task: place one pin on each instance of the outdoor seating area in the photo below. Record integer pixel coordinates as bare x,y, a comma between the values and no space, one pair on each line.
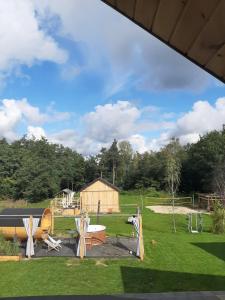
114,247
27,227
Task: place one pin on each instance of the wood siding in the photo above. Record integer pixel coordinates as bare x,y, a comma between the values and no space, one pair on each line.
194,28
98,191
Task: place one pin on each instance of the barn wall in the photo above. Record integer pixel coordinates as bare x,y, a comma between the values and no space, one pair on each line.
109,198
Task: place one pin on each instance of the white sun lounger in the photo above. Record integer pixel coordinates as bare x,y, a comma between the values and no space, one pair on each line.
51,246
57,243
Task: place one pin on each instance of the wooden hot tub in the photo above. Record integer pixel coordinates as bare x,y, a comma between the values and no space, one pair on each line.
95,235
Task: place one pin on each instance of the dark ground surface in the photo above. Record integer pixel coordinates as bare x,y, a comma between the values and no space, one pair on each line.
153,296
114,247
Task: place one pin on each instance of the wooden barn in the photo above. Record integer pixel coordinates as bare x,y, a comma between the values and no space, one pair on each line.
100,193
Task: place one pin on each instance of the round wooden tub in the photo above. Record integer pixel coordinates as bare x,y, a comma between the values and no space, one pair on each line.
95,235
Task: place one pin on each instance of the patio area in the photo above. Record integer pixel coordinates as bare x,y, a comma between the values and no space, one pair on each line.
114,247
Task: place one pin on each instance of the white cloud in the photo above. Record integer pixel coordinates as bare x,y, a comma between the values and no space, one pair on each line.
33,115
111,121
203,117
189,138
67,137
132,54
123,52
15,112
35,132
74,140
138,143
10,116
22,40
122,120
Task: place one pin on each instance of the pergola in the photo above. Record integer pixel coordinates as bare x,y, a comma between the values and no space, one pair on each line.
194,28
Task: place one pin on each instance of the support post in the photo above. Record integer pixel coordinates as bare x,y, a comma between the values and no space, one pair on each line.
141,242
98,211
52,217
82,238
31,229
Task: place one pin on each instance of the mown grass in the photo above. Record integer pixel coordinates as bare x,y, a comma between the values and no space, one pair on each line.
173,262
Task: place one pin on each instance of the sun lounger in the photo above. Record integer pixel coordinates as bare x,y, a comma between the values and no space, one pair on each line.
57,243
51,246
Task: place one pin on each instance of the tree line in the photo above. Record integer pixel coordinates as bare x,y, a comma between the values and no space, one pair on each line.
36,169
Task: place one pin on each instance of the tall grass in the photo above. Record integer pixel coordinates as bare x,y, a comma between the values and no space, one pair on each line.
218,218
8,247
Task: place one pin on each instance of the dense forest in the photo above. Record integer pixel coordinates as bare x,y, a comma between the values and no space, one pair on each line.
36,169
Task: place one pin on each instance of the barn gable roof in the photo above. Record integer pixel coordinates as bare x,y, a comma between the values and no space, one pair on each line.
103,181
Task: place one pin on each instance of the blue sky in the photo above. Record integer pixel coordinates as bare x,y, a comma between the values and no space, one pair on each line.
83,82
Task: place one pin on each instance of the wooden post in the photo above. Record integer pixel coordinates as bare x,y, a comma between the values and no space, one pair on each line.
52,217
82,239
141,239
98,212
31,228
81,204
141,242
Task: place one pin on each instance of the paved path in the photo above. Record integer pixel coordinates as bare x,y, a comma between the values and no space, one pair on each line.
152,296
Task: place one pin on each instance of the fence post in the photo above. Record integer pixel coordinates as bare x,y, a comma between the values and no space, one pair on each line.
52,217
98,211
141,242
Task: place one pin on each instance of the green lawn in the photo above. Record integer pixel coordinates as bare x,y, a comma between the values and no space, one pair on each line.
174,262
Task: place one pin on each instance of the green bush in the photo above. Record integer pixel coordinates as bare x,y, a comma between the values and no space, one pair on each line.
8,247
218,217
152,192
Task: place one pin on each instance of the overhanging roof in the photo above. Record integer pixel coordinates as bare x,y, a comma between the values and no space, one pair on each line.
13,217
194,28
106,182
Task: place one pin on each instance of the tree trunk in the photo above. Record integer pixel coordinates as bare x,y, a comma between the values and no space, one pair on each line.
114,175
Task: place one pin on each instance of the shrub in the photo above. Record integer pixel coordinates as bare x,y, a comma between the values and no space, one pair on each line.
8,247
218,217
152,192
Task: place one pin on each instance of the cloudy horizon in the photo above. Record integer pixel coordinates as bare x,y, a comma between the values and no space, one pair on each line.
84,82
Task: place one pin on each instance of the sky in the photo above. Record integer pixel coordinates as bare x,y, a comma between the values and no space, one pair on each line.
80,74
